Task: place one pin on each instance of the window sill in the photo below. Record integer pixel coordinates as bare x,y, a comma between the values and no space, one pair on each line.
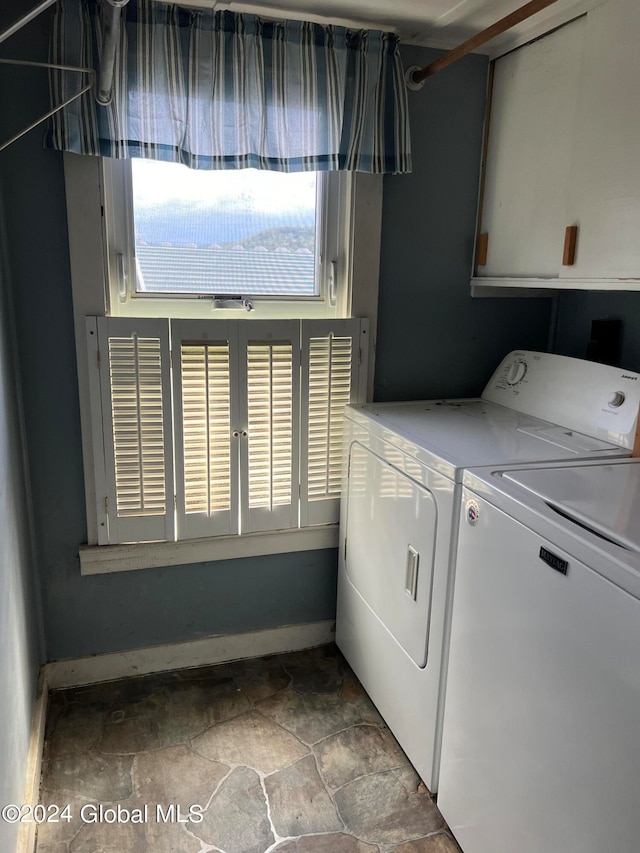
103,559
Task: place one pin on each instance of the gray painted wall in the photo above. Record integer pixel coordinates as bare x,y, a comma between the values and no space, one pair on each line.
434,340
577,310
106,613
20,623
427,245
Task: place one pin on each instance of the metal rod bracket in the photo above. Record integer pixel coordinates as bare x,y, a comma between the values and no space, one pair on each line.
412,84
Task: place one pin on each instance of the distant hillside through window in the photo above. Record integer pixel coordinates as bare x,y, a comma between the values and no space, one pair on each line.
248,232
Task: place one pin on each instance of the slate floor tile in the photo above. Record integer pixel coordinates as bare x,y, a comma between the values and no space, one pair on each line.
318,670
56,705
318,657
171,717
353,693
439,843
111,693
190,708
62,830
237,820
128,732
170,838
299,801
357,751
211,673
155,775
252,740
311,717
77,730
103,778
285,753
388,807
109,838
260,678
330,843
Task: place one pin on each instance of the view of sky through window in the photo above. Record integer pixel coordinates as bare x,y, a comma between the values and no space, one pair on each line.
224,232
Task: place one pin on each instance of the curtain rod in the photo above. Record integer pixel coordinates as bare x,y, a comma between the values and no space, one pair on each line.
416,76
109,47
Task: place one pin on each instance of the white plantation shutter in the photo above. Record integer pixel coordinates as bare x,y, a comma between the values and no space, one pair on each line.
205,412
333,375
269,387
135,468
252,413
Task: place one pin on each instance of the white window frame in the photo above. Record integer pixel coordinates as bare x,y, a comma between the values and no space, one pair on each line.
334,201
359,229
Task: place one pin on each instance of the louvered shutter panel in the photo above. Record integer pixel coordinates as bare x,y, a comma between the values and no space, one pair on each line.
205,413
333,374
135,398
269,383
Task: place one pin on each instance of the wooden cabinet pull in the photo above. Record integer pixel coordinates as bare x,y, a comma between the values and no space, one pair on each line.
570,238
482,246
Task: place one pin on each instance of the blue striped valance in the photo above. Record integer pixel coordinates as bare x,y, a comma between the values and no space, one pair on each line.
218,90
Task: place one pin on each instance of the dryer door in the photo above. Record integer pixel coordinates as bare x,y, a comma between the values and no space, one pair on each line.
391,532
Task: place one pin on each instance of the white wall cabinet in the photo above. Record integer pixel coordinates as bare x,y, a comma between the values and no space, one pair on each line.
529,153
604,191
563,150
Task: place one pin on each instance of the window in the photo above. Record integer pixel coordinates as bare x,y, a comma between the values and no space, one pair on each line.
166,382
241,232
185,243
218,427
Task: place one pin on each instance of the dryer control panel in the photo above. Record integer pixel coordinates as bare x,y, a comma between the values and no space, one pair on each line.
592,399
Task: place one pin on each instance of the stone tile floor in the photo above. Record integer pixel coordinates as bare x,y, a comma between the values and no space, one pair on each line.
283,753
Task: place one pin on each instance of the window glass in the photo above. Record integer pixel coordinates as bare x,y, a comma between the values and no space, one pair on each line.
243,232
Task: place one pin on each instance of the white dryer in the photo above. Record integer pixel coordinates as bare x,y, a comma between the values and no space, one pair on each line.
401,492
541,746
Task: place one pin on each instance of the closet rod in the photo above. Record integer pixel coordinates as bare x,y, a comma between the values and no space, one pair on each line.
109,47
17,25
416,77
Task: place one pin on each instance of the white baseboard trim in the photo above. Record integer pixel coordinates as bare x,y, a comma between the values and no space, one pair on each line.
210,650
27,831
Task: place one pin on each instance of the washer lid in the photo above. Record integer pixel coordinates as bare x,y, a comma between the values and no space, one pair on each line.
604,499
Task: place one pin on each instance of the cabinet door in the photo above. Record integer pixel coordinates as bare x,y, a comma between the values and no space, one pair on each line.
604,194
528,160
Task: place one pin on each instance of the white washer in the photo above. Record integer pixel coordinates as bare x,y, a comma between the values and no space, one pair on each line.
541,746
401,491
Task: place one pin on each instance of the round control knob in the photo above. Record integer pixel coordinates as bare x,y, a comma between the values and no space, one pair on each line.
516,372
616,399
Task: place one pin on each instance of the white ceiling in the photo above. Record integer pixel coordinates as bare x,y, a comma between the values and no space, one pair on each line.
435,23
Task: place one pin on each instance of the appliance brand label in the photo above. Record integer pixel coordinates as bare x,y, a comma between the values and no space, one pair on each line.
554,561
472,512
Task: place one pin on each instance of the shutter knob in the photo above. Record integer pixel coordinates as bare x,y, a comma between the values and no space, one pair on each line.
236,433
